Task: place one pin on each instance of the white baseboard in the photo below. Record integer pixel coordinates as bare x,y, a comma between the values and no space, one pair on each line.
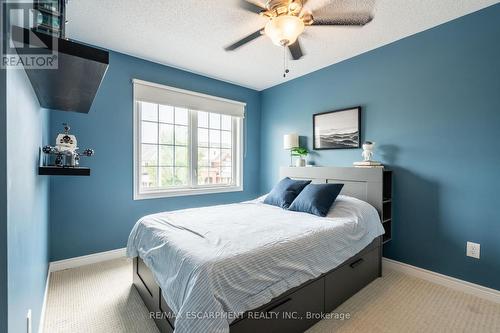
44,304
86,260
444,280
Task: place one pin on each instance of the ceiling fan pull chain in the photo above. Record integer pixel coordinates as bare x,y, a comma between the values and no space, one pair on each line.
285,62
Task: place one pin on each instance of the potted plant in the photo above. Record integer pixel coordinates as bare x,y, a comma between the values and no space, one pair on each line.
301,153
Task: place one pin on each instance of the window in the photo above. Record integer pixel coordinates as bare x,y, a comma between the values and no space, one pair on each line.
185,143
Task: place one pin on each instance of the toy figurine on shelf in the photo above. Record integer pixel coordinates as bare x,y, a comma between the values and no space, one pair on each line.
66,150
367,154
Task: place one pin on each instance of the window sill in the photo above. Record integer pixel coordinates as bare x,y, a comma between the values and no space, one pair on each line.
185,192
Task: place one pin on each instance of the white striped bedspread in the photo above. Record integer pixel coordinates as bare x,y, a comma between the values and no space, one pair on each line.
214,262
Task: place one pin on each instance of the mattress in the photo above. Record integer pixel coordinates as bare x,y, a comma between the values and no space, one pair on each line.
215,263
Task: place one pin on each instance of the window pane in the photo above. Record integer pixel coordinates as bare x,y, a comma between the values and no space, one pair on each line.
181,176
166,176
225,139
166,114
202,119
166,134
226,123
203,176
149,111
215,120
166,155
181,156
148,177
226,175
214,175
203,156
214,138
181,116
202,137
149,155
226,159
214,157
149,132
166,150
181,135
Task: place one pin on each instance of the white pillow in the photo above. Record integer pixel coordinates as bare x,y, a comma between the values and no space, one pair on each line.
259,199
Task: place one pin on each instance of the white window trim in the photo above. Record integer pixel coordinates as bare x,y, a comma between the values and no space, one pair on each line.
238,148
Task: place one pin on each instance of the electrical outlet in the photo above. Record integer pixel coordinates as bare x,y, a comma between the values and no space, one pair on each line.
28,322
473,250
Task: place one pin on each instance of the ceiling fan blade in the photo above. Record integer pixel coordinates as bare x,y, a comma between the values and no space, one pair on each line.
354,20
244,40
296,50
252,6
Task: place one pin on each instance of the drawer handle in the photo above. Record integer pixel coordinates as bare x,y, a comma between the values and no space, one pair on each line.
357,263
278,305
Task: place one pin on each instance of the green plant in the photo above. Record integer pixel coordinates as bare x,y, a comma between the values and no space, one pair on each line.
300,151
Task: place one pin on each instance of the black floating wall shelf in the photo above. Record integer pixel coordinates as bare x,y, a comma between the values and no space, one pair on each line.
73,85
63,171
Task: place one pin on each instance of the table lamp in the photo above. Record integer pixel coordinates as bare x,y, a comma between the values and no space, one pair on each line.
290,141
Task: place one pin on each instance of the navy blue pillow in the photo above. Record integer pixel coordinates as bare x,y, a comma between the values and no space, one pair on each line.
316,198
285,192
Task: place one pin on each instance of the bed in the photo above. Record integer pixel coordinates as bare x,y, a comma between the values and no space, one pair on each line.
250,267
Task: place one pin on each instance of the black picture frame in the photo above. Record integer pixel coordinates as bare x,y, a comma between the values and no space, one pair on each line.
354,136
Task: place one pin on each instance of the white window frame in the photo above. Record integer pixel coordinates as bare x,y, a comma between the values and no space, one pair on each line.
237,151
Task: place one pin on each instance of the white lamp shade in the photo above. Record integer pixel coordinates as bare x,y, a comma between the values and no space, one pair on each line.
290,141
284,30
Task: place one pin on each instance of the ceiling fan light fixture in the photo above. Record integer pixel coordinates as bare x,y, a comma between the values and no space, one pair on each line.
284,30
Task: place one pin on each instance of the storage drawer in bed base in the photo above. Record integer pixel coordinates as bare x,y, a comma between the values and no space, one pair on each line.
151,295
293,311
351,277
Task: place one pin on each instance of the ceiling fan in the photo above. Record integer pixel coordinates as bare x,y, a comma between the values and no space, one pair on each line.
287,21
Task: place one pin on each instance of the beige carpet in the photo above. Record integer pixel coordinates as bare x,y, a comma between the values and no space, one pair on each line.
100,298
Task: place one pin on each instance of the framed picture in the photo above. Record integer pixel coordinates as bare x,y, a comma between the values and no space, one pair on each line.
339,129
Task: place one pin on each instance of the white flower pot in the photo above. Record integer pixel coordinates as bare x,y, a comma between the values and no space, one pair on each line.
300,162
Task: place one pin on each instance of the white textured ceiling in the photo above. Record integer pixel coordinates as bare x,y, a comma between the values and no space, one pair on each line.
191,34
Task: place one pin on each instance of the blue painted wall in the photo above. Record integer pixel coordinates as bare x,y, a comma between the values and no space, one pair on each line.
3,201
96,213
27,203
24,204
431,102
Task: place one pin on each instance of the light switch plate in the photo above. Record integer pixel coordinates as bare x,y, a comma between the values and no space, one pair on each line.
473,250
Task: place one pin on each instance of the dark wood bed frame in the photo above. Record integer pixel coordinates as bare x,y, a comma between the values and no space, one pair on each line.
301,307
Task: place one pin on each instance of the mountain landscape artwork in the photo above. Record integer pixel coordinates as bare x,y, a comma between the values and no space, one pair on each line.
337,129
